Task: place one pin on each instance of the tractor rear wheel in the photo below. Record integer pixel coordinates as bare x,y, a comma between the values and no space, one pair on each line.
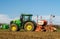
13,27
29,26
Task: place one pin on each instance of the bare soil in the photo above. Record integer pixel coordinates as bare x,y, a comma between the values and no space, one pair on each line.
29,35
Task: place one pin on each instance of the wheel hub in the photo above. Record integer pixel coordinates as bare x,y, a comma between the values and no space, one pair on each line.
29,27
13,28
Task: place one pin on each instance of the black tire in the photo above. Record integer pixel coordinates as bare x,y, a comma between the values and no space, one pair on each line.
29,26
13,27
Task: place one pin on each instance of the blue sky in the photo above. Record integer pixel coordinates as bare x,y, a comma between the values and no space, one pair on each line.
13,8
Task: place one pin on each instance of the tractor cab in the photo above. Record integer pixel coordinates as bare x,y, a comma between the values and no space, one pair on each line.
26,17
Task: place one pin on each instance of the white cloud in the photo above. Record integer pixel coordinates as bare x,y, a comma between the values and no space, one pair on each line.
56,20
4,18
16,18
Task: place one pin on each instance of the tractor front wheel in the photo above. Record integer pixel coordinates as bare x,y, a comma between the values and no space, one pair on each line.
13,27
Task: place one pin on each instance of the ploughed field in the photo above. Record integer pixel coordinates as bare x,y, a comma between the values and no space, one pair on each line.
29,35
7,34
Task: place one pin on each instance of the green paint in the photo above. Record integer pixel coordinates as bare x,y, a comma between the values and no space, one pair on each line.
5,26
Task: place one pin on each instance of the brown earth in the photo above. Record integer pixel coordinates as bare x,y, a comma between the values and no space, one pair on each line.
29,35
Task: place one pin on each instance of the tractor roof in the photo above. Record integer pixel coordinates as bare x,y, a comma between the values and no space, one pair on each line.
26,14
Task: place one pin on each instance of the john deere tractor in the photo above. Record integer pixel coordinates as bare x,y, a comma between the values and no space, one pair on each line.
25,22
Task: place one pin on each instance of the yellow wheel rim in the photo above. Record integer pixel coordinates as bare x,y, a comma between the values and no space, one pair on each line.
29,27
13,28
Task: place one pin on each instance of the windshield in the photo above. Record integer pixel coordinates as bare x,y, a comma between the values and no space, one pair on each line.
27,18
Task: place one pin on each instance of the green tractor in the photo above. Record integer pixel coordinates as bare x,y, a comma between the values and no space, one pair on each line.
4,26
25,22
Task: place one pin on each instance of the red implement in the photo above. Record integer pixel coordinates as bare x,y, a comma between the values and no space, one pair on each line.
38,28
